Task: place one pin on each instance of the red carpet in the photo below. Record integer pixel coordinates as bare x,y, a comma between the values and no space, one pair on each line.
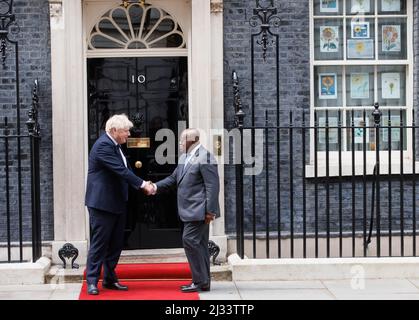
156,281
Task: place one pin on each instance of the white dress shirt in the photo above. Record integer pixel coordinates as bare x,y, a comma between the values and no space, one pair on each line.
123,156
190,154
120,151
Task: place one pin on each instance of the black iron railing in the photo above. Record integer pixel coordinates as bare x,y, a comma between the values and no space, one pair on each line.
21,192
326,183
19,158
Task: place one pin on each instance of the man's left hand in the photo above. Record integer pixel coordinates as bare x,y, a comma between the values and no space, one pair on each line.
209,217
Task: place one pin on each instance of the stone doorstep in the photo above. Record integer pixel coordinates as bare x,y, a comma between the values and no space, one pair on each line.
221,273
59,275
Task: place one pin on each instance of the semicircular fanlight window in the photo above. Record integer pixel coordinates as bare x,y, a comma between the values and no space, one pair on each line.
137,26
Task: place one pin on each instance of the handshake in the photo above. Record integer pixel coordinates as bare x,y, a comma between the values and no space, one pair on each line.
150,188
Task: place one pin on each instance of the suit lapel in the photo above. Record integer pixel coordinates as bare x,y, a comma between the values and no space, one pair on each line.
116,148
190,163
180,171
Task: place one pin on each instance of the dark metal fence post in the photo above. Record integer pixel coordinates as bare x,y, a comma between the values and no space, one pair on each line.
34,133
414,182
291,181
267,213
377,119
7,171
239,169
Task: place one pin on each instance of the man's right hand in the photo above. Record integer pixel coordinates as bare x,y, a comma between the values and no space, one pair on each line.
209,217
150,188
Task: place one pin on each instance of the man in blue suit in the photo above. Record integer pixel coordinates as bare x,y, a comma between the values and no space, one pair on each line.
108,180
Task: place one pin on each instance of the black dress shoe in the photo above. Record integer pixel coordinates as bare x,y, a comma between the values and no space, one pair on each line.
92,289
114,286
185,285
193,287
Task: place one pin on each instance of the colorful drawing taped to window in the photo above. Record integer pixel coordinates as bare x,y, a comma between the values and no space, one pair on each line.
390,85
360,86
360,30
360,49
391,38
327,86
390,5
329,39
329,6
359,130
360,6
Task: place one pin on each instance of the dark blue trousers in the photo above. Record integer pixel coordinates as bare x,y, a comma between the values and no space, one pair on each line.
106,243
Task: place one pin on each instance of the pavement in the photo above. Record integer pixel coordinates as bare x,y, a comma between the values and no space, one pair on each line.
368,289
355,289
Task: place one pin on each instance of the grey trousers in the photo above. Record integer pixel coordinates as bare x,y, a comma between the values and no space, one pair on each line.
195,242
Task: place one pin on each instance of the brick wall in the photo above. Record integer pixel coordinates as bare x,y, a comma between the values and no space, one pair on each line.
294,70
33,39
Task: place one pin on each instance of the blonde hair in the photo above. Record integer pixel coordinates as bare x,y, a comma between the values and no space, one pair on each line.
118,121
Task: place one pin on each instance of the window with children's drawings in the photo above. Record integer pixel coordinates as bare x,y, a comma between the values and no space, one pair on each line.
361,54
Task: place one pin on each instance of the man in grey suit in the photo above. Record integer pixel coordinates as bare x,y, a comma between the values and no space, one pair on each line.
198,186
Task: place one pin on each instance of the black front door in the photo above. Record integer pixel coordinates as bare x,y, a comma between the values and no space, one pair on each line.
152,92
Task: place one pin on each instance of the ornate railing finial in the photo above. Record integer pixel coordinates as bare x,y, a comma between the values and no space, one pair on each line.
376,114
237,102
32,123
265,13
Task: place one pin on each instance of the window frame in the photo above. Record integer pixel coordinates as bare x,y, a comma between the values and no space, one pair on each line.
375,64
